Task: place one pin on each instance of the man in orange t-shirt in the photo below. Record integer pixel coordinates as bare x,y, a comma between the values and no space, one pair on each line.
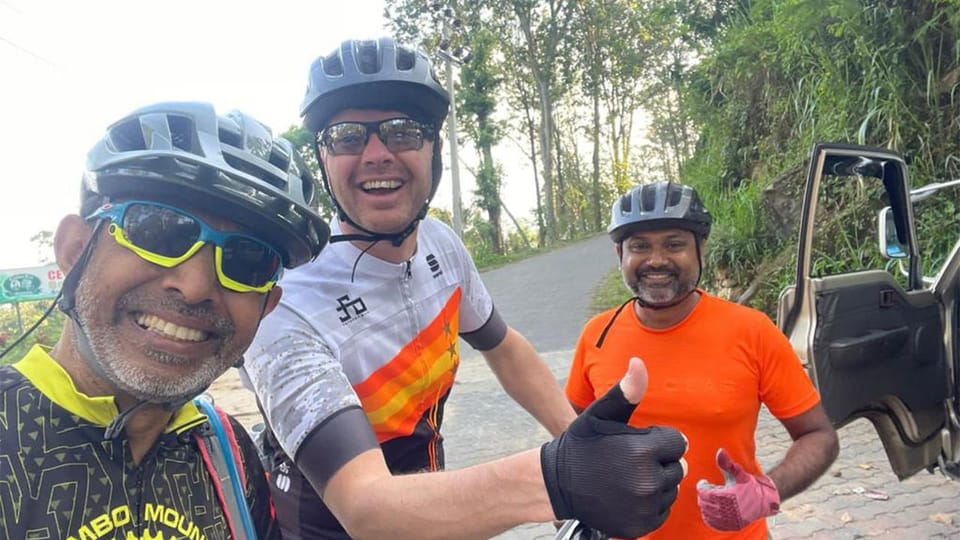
711,364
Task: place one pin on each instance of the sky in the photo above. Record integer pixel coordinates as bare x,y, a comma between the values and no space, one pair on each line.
71,68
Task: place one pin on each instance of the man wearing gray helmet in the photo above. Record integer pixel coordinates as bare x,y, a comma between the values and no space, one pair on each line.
354,367
713,363
186,222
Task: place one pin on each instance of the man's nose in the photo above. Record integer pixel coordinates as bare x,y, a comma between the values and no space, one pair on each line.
195,278
656,257
375,151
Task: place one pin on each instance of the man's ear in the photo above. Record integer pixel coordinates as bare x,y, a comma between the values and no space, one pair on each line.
71,238
620,251
273,298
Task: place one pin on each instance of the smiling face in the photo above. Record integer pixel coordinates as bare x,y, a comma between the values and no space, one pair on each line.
380,190
660,267
156,333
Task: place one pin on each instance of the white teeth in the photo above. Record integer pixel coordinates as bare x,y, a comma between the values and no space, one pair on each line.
381,184
182,333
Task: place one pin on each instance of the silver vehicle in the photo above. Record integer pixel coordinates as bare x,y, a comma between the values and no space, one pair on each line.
875,327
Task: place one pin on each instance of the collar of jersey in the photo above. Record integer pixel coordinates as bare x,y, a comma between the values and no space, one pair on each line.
368,264
690,316
50,378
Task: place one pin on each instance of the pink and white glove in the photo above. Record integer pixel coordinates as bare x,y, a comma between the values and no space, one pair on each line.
741,500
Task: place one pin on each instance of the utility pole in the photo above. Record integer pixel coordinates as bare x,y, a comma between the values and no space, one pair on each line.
452,141
449,59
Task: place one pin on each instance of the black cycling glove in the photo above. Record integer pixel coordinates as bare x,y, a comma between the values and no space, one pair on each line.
613,477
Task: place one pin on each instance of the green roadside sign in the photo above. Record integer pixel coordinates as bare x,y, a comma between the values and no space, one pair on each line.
27,284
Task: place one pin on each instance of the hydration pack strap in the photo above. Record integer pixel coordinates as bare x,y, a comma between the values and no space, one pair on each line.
222,457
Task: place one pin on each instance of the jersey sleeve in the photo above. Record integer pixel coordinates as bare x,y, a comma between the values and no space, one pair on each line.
578,389
301,386
480,323
785,387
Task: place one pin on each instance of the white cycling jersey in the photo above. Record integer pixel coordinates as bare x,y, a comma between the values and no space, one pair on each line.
383,335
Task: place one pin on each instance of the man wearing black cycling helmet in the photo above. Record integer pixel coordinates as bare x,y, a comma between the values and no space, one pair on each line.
354,367
712,364
187,220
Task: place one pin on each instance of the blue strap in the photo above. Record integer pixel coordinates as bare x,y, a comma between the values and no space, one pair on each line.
206,407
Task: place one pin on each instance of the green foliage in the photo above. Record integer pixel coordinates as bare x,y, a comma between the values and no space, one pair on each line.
46,334
609,293
784,74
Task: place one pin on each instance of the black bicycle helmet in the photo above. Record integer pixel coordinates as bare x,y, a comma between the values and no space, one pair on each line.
661,205
229,165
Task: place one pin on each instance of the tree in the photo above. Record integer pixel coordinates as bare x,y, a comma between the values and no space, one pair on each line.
480,82
44,242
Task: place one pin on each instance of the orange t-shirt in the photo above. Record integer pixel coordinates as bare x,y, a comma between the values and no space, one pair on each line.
709,375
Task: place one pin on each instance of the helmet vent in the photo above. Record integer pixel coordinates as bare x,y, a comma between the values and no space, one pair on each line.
253,170
127,136
406,59
368,57
309,193
332,66
181,132
279,160
673,197
230,138
648,200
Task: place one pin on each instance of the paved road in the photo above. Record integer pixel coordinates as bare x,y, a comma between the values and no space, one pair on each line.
546,298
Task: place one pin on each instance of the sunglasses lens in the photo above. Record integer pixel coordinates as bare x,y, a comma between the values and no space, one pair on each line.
402,134
249,261
345,138
160,230
397,134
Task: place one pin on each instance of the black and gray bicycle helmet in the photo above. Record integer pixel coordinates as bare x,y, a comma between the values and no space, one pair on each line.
376,74
661,205
229,165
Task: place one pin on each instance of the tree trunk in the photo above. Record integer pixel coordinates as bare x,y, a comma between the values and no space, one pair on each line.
595,190
546,156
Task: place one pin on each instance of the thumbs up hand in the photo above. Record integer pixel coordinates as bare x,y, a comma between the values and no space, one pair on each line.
742,499
613,477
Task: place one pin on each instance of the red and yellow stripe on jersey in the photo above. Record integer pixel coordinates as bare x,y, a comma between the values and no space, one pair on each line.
398,395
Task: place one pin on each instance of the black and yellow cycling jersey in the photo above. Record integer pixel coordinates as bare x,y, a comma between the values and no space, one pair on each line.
60,479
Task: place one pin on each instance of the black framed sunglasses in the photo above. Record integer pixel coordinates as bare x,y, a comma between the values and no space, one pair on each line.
397,134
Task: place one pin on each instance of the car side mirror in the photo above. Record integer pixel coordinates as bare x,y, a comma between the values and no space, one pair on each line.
890,245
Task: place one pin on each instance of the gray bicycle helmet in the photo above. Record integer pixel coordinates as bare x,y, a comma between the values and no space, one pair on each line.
229,165
661,205
376,74
373,74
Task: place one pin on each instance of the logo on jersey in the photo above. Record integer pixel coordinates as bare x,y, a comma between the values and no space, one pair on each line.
282,482
434,265
351,309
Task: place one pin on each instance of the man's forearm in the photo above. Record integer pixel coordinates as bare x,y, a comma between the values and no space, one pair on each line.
476,502
807,459
528,380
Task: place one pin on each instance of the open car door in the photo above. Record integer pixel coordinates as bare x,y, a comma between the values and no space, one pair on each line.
871,333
